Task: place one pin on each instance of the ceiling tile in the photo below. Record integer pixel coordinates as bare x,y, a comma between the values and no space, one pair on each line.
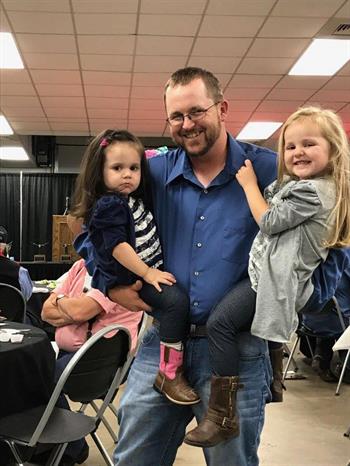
16,89
302,82
316,8
106,62
53,61
239,93
221,64
114,23
4,24
169,7
113,6
19,101
240,7
291,27
344,11
14,76
62,90
56,76
20,112
159,63
242,105
168,25
109,44
163,45
345,71
150,92
69,126
64,112
71,102
36,5
220,47
333,95
97,125
326,104
55,43
147,114
289,94
238,116
269,116
230,26
279,106
32,127
151,104
250,80
285,48
265,65
150,79
107,113
107,91
106,78
47,23
106,102
338,82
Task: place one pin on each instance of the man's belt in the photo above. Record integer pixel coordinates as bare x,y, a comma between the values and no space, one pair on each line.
195,331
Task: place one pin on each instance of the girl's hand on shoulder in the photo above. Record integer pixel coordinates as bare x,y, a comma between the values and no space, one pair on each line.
246,175
155,277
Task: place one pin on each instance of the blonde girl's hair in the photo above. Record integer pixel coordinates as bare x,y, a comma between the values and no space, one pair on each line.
331,128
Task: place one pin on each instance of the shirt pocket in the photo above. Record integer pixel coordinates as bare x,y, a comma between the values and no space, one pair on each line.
237,240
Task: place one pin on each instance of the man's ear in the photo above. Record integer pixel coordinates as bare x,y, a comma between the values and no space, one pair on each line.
223,108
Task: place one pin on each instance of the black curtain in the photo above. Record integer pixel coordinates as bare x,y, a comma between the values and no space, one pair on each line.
44,195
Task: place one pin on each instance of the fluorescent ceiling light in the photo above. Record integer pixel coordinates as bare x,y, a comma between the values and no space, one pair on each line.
324,57
13,153
9,56
5,128
258,130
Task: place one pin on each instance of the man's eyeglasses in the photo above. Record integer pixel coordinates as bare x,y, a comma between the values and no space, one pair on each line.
196,115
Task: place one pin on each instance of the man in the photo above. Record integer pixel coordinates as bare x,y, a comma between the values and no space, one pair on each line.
11,272
206,231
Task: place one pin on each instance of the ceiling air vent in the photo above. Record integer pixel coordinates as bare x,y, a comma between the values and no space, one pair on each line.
335,27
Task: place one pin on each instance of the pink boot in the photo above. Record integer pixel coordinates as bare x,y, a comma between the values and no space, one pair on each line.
170,379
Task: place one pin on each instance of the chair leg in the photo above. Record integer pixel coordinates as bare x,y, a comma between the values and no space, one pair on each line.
15,452
342,372
102,449
290,358
106,423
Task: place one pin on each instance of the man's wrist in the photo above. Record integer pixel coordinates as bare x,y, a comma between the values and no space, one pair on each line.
58,297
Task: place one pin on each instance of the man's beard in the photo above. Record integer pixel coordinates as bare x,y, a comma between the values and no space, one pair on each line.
211,136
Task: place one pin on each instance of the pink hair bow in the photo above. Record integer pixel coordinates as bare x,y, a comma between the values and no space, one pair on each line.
104,143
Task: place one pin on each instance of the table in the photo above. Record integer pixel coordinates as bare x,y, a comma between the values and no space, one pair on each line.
27,370
48,270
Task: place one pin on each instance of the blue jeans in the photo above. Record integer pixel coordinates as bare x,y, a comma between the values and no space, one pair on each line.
152,428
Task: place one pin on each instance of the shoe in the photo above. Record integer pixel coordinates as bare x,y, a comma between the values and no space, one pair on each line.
316,363
221,421
327,376
176,390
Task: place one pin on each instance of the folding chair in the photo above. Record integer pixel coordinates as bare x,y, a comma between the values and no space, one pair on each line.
91,378
304,331
56,426
12,303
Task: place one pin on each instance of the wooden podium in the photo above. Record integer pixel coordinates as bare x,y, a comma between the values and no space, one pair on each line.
62,240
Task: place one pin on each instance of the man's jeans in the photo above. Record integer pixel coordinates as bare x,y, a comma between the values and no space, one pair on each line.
152,428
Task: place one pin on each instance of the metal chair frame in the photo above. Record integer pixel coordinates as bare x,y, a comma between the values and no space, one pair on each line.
19,297
87,424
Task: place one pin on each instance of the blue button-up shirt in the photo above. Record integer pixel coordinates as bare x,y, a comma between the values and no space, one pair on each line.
206,233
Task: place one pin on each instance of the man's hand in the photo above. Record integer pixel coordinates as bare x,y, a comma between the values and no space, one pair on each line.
246,175
128,297
155,277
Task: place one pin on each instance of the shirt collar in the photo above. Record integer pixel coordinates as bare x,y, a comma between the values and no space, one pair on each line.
235,159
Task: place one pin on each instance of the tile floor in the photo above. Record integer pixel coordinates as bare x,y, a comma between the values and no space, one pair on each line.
305,430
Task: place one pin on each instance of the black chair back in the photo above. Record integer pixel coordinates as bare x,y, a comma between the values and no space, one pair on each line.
12,303
93,374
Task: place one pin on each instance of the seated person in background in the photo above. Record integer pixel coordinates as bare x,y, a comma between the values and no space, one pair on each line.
11,272
329,327
69,308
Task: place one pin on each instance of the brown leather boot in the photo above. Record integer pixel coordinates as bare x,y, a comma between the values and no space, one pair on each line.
221,421
277,386
170,380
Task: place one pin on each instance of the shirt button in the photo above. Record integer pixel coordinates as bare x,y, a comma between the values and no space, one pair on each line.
202,217
199,245
205,191
195,303
196,274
